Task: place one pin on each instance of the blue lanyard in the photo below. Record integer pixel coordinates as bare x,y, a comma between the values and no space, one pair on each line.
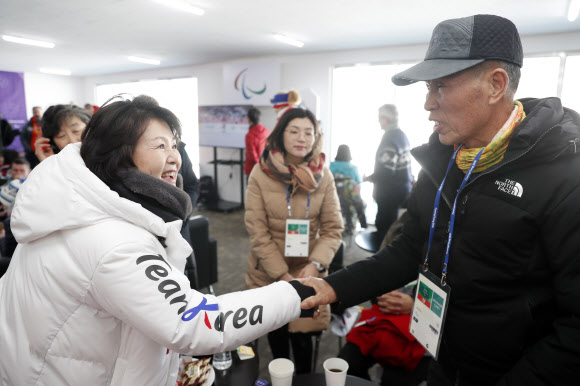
452,219
290,207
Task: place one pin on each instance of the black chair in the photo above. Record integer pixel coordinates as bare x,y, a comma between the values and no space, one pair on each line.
203,272
336,264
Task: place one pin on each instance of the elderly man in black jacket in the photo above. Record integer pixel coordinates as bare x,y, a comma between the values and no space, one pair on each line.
494,220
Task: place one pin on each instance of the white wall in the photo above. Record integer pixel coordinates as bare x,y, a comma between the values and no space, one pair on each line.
299,71
46,90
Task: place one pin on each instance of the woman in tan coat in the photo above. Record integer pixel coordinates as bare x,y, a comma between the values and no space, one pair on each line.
294,221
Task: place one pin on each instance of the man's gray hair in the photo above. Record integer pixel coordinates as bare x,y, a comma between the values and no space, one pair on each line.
390,112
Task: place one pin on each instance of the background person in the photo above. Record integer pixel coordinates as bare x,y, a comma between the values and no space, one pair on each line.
289,183
348,182
100,250
513,317
29,133
392,177
62,124
255,140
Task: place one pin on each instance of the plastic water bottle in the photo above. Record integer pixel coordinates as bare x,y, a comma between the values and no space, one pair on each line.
222,360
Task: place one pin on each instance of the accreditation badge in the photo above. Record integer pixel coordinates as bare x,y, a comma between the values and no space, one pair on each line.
429,311
297,238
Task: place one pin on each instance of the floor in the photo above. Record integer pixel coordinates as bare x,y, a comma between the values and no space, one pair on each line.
233,249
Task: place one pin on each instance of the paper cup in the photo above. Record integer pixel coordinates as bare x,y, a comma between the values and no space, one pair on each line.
335,371
281,371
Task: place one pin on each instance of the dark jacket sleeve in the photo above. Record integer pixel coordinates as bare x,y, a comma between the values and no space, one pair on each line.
26,137
555,359
190,180
389,269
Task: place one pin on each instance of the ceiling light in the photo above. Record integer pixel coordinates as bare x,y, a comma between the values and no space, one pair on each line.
573,10
181,5
55,71
287,40
144,60
30,42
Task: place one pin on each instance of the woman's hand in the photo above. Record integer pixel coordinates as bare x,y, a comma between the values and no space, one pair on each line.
325,294
308,270
395,303
287,277
42,148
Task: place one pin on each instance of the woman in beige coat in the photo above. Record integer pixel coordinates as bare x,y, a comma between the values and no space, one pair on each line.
291,183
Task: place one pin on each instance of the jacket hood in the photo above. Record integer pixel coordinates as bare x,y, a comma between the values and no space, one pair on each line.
62,193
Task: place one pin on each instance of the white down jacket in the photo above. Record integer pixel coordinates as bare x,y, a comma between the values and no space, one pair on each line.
91,296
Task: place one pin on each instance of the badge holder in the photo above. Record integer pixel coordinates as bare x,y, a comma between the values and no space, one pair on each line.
297,238
429,311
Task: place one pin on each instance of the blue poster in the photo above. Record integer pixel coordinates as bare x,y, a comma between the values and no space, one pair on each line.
13,103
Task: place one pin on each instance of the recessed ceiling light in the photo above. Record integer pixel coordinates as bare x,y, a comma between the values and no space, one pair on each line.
573,10
30,42
181,5
55,71
144,60
287,40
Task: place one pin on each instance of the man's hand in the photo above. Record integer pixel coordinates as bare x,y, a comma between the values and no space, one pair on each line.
396,303
324,294
308,270
42,147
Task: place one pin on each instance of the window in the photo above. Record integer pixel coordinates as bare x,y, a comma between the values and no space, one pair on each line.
570,90
539,77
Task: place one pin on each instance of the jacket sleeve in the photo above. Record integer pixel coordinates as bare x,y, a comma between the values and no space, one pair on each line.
190,180
389,269
138,286
251,156
555,359
331,226
262,244
25,138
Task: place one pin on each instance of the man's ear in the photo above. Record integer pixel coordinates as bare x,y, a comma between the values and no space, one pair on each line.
498,84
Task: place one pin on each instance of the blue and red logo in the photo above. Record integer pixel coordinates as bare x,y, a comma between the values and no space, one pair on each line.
240,85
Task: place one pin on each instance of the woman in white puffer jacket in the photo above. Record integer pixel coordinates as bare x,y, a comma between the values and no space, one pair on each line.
95,293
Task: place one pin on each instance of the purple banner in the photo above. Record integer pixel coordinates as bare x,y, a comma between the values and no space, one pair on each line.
13,103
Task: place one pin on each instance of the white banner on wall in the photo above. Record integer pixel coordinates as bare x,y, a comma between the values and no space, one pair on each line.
251,83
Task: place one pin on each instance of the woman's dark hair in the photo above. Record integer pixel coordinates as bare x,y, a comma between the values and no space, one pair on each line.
9,156
254,115
55,116
275,140
109,139
343,154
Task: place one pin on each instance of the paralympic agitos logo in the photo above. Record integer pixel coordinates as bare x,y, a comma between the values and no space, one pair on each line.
171,289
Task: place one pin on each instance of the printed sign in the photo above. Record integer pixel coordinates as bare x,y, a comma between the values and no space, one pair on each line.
251,83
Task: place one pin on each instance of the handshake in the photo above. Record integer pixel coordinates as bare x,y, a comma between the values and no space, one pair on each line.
314,292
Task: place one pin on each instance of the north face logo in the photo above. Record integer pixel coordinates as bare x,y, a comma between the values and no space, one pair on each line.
510,187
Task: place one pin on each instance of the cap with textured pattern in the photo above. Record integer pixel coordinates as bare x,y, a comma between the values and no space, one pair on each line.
458,44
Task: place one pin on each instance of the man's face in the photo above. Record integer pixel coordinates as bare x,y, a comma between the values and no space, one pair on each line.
384,122
459,108
19,171
37,112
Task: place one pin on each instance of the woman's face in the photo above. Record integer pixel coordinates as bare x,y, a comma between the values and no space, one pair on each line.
156,152
70,132
299,137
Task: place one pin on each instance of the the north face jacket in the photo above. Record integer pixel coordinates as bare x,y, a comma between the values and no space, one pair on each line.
514,266
92,297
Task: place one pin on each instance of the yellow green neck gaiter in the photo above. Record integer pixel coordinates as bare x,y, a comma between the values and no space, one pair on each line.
494,152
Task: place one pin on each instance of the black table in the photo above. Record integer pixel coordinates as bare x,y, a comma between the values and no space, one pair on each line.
320,380
242,373
368,241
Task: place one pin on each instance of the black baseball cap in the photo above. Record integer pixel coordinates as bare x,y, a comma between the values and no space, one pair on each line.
458,44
